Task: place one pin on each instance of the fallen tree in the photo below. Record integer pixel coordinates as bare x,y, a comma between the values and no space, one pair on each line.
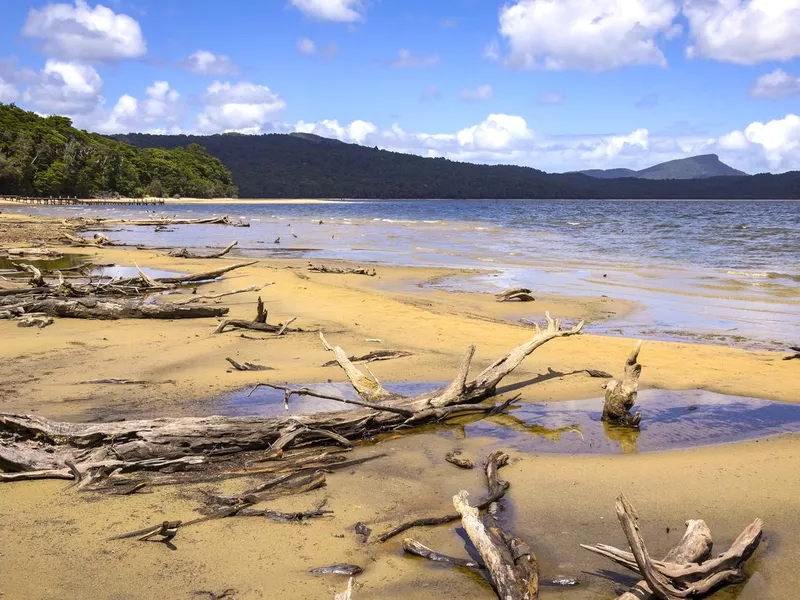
686,571
30,443
104,308
340,270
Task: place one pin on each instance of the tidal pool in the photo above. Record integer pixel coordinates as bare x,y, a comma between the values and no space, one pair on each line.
671,419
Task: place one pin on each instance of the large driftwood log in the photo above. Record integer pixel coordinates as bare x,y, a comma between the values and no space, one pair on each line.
511,564
32,443
621,395
103,308
520,294
680,575
341,270
186,253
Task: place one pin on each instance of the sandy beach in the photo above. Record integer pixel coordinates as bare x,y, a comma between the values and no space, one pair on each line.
556,501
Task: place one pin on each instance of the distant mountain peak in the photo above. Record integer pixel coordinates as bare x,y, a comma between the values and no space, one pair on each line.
702,166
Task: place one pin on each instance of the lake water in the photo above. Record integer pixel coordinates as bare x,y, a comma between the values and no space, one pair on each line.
721,272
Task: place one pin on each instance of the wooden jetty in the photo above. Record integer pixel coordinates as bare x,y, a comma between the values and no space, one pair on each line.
61,200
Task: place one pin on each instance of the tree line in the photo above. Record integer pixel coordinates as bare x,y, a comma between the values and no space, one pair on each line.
47,156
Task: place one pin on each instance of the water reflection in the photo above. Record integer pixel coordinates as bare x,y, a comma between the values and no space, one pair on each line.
626,437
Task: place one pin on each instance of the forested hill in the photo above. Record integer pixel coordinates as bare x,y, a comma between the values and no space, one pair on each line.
694,167
47,156
308,166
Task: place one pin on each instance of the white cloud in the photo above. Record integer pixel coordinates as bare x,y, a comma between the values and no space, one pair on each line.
407,60
342,11
65,88
159,112
497,132
594,35
8,91
357,131
551,98
779,140
778,84
243,106
306,46
482,92
83,33
204,62
744,32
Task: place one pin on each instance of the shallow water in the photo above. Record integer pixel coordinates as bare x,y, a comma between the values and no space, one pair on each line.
67,261
672,419
724,272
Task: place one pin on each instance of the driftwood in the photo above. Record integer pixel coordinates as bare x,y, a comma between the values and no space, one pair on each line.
185,253
341,270
414,547
796,350
259,323
520,294
98,241
374,356
41,253
223,220
348,593
513,570
104,308
621,395
454,459
195,298
40,322
497,488
247,366
32,443
37,280
687,572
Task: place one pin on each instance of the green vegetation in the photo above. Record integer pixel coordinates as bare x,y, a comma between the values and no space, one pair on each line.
47,156
694,167
309,166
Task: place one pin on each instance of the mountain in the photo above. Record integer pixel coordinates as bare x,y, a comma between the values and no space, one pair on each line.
695,167
308,166
47,156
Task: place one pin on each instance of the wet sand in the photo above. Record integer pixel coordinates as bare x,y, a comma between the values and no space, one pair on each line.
555,502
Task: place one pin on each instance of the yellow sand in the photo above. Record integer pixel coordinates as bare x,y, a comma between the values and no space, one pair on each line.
555,501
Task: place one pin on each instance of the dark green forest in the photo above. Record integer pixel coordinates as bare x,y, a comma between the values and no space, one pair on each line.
309,166
47,156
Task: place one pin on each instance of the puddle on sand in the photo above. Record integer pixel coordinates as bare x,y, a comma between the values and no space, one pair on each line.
670,419
67,261
267,402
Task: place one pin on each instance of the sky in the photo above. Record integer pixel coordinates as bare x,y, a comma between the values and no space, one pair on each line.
558,85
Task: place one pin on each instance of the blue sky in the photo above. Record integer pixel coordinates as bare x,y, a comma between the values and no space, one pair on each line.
554,84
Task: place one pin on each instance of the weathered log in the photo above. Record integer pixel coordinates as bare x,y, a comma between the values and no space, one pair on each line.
40,322
99,240
520,294
186,253
374,356
259,323
39,253
510,562
37,280
247,366
222,220
680,575
414,547
341,270
31,443
103,308
454,459
621,395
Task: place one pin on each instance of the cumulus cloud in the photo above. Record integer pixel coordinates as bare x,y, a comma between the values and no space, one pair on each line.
744,32
482,92
497,132
407,60
551,98
357,131
65,88
159,112
594,35
8,91
778,84
245,107
204,62
80,32
342,11
779,140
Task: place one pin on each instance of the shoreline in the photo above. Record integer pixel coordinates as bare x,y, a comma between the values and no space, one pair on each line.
556,500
